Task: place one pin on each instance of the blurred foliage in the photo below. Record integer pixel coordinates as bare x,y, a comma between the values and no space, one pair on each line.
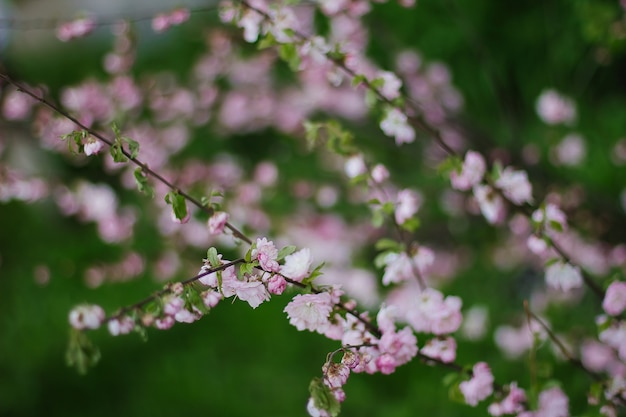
239,362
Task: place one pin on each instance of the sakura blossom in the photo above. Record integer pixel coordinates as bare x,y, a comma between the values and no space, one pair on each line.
571,151
563,276
86,316
217,222
554,108
395,124
390,88
515,186
297,265
471,174
443,349
480,386
408,203
490,202
254,292
310,311
122,325
513,403
614,302
266,253
551,216
76,28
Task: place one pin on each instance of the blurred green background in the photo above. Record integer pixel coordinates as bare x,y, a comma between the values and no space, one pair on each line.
242,362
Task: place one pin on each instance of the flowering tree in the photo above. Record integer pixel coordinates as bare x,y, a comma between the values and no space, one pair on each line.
365,195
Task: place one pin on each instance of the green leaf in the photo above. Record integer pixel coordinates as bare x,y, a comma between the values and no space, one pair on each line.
312,132
75,141
142,183
378,218
358,80
133,146
386,243
117,151
212,256
314,274
267,41
411,224
287,250
380,261
556,226
323,398
81,352
289,53
178,203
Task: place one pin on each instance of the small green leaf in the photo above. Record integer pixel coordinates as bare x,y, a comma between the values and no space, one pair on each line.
287,250
81,352
267,41
117,151
142,183
133,146
358,80
411,224
556,226
178,203
212,256
386,243
378,218
289,53
314,274
323,398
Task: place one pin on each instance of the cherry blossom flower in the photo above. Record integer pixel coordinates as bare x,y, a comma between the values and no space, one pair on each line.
386,364
266,253
276,285
355,166
551,217
93,146
513,403
491,203
537,245
122,325
563,276
408,203
310,311
615,298
297,265
76,28
350,359
335,374
211,298
395,124
443,349
571,151
401,345
217,222
515,186
86,316
553,403
480,386
380,173
471,174
391,84
254,292
553,108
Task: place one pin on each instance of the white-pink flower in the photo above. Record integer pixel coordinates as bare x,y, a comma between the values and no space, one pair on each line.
266,253
551,217
395,124
564,276
554,108
553,403
86,316
537,245
380,173
402,345
254,292
480,386
335,374
408,203
297,265
122,325
615,298
391,84
276,284
310,311
491,203
515,186
217,222
513,403
443,349
471,174
76,28
92,146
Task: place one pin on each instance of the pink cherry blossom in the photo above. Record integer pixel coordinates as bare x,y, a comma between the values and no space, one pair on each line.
471,174
563,276
217,222
513,403
480,386
395,124
537,245
310,311
491,203
276,285
122,325
211,298
76,28
86,316
355,166
266,253
351,359
553,403
408,203
402,345
254,292
380,173
386,364
391,84
615,298
297,265
335,374
571,151
164,323
553,108
172,305
93,146
440,348
515,186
